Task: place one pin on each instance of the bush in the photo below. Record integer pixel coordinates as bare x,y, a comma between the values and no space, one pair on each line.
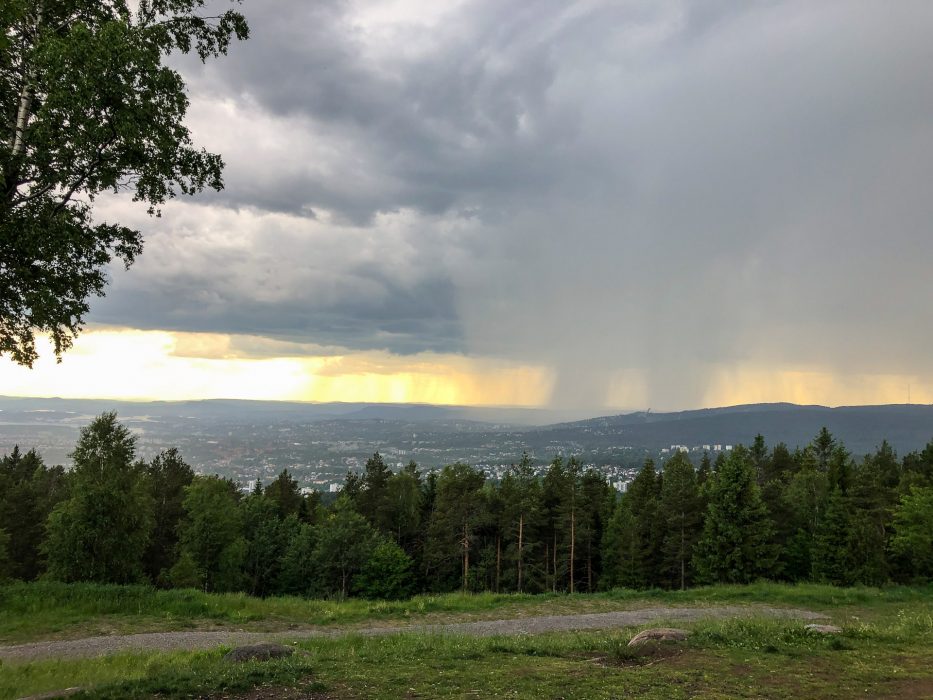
387,574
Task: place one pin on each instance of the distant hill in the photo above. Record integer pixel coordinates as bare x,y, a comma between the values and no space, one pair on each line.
861,428
452,432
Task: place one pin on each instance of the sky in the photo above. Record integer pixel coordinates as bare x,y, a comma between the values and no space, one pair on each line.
598,205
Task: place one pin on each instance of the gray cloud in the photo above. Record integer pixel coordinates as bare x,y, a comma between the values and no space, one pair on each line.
662,187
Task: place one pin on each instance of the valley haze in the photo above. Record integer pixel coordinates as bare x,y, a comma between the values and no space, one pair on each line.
319,443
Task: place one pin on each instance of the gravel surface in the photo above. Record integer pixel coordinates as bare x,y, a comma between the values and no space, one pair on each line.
174,641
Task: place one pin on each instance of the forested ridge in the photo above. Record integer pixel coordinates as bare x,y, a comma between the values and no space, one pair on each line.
811,513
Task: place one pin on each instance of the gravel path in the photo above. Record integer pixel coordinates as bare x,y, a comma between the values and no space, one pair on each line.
173,641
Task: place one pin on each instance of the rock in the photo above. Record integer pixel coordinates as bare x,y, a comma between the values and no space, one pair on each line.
258,652
52,694
824,629
659,634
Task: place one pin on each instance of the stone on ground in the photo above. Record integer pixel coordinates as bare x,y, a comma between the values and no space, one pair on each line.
824,629
658,634
259,652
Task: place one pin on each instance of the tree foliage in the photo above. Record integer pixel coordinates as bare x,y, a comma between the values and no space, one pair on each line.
211,535
815,513
101,532
735,546
89,105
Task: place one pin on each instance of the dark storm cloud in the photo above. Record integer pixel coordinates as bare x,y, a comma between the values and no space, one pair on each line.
464,123
405,321
663,187
289,280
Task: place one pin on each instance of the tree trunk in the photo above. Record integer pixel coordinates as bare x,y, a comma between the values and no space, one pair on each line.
466,557
554,556
683,555
572,543
521,522
24,110
589,565
498,560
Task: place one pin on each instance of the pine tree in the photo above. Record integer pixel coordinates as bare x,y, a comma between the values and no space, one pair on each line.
168,476
373,500
285,494
450,548
681,518
28,493
554,490
522,511
596,499
265,539
403,504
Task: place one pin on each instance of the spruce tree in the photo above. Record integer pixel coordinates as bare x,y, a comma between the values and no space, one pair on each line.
620,558
373,499
830,552
681,519
168,476
28,492
643,501
735,546
285,494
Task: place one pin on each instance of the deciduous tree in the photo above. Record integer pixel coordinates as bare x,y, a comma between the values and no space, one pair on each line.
89,104
101,532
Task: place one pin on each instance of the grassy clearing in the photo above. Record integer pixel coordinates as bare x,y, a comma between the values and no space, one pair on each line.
724,659
46,610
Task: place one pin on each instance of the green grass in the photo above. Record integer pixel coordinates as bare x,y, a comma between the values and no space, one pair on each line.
724,659
886,649
45,610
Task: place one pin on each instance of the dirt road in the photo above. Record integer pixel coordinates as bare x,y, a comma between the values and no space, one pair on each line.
174,641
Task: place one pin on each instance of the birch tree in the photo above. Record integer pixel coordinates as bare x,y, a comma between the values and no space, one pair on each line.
88,106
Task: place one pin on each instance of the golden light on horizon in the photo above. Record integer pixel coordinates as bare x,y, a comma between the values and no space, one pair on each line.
745,385
160,365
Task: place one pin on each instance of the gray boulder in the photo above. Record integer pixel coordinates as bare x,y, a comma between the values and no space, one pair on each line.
658,634
259,652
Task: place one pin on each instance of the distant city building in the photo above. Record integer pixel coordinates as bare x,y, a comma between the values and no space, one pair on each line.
728,448
336,488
